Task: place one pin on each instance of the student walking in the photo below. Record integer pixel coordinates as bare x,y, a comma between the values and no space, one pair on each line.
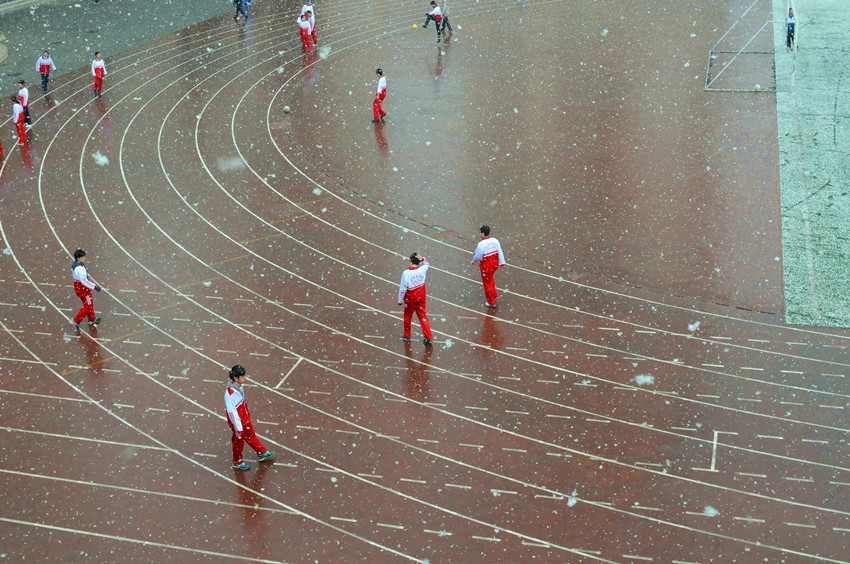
411,294
44,65
437,15
18,119
790,24
24,100
83,287
490,257
98,71
239,420
305,29
378,112
308,7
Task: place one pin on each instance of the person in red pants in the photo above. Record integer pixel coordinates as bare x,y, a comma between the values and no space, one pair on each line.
239,420
306,30
411,294
98,71
490,258
83,287
377,110
18,119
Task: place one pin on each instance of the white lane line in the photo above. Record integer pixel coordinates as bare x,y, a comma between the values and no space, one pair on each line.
84,439
288,373
78,531
344,519
25,361
61,398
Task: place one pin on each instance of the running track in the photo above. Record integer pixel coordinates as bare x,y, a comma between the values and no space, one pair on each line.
607,412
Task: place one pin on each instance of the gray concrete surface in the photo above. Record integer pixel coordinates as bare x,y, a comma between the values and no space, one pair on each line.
813,112
73,29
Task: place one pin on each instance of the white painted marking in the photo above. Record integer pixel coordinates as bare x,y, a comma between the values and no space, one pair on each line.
477,408
288,373
344,519
412,481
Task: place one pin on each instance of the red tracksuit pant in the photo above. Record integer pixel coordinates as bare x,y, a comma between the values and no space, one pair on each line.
87,311
22,131
248,436
489,287
313,35
423,319
98,84
305,40
378,110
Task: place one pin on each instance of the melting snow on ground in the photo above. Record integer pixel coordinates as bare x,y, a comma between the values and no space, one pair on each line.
226,164
643,380
100,159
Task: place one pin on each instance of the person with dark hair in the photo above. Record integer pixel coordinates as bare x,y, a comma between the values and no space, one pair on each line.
490,258
411,294
437,15
83,287
18,119
377,111
305,30
24,100
98,71
790,24
308,7
44,65
239,420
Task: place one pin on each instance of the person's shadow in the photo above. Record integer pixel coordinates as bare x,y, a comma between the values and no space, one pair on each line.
417,385
383,146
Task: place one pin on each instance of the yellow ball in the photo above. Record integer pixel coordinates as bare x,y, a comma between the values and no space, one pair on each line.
415,26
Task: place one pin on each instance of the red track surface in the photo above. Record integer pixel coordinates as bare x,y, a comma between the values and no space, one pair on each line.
635,397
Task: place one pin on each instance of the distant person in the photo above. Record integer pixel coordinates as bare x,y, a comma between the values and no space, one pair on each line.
445,14
44,65
239,420
239,10
377,110
308,7
437,15
411,294
24,99
790,24
98,71
490,258
83,287
18,119
305,30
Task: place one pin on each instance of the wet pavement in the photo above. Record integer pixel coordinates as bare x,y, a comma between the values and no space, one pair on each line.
636,396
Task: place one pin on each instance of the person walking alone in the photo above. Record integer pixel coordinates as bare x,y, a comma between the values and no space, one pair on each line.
83,287
790,25
378,112
490,258
98,71
239,10
44,65
239,419
411,294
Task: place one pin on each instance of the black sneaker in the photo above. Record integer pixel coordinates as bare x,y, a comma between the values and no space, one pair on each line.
76,326
375,121
95,322
406,339
427,343
491,305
